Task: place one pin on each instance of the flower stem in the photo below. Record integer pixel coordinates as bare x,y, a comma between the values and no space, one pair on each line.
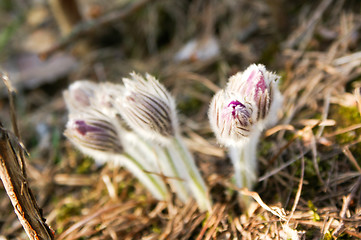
244,160
177,182
154,183
191,173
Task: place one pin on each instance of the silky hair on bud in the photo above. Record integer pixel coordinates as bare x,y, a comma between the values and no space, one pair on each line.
148,108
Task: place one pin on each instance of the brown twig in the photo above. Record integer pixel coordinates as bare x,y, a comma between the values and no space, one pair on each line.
11,94
83,29
13,176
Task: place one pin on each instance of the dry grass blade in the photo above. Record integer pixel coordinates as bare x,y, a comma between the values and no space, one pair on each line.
303,34
350,156
205,81
220,216
275,211
344,130
299,189
345,206
278,128
208,223
314,157
276,170
95,216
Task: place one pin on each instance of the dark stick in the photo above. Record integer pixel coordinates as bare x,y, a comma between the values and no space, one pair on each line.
12,174
11,94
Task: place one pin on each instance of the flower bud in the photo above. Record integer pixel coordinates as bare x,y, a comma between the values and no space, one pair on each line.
93,136
259,86
148,108
79,95
231,117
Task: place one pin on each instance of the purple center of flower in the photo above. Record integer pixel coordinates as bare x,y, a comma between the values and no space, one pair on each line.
82,127
235,105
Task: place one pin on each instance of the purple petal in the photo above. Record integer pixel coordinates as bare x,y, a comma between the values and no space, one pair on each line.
260,86
82,127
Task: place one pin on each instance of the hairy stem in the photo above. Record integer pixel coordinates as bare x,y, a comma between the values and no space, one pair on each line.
191,173
154,183
244,160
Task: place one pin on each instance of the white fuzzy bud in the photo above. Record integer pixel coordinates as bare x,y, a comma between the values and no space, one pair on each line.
95,137
79,95
260,87
148,108
231,117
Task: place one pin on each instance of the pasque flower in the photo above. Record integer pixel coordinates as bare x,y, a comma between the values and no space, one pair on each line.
94,136
150,146
148,108
94,128
80,95
231,117
239,113
259,87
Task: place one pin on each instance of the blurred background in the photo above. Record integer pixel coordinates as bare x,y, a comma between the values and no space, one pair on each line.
193,47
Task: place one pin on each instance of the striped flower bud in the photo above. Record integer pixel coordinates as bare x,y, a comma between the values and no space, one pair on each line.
148,108
231,117
95,137
259,86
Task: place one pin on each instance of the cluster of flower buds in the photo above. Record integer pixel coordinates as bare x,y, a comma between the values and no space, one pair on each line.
135,125
238,114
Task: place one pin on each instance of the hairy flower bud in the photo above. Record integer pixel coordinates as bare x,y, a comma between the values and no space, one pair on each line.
79,95
259,86
148,108
93,136
231,117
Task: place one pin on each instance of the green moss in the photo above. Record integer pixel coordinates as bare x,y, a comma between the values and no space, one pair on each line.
328,236
156,229
345,117
265,147
85,166
189,104
313,208
68,210
309,173
309,168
